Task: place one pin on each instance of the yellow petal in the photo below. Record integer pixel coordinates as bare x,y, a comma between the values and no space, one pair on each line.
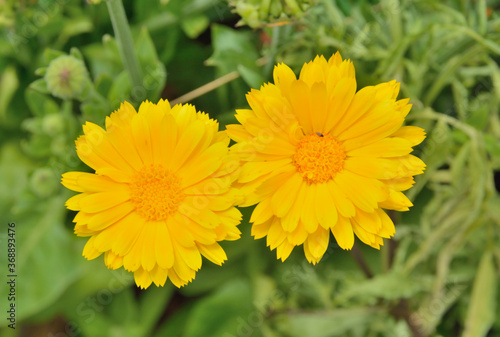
370,222
142,138
158,276
286,195
360,104
73,203
253,170
132,261
121,139
308,216
299,100
365,236
413,134
283,77
319,107
339,102
316,245
112,260
203,165
388,230
326,212
142,278
298,235
213,252
163,246
178,233
100,145
259,230
168,139
370,167
343,204
69,180
188,144
283,251
396,201
190,255
343,233
148,258
387,147
130,229
364,193
182,270
276,235
262,212
89,251
97,202
109,216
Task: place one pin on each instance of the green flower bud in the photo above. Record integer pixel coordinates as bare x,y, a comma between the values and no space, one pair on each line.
59,146
44,182
66,77
53,124
259,13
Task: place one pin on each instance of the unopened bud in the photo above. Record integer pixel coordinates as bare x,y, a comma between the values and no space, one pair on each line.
66,77
53,124
44,182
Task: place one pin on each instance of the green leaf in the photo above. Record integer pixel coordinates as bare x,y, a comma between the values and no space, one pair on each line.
152,304
120,89
39,103
437,146
458,165
46,273
51,54
175,324
391,286
75,52
146,51
324,323
103,84
195,25
40,85
482,307
95,111
75,26
224,312
253,78
9,83
232,48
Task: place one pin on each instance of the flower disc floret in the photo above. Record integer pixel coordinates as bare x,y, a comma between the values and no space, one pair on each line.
156,192
319,158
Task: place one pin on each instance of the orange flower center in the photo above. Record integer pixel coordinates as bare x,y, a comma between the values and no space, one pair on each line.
318,158
156,192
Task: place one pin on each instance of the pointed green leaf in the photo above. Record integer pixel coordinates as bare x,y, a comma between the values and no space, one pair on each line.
482,307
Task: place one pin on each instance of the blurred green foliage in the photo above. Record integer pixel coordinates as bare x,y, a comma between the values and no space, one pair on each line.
438,277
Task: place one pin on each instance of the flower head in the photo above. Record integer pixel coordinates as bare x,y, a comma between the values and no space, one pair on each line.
319,157
161,195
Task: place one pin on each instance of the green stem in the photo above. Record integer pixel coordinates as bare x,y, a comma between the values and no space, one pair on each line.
124,40
361,262
273,50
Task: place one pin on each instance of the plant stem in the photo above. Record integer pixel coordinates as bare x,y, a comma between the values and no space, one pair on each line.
273,50
360,260
124,40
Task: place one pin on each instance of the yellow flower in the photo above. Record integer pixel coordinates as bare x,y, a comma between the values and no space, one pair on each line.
319,157
161,195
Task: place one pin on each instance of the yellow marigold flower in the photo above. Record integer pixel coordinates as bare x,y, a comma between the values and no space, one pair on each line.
161,195
319,157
